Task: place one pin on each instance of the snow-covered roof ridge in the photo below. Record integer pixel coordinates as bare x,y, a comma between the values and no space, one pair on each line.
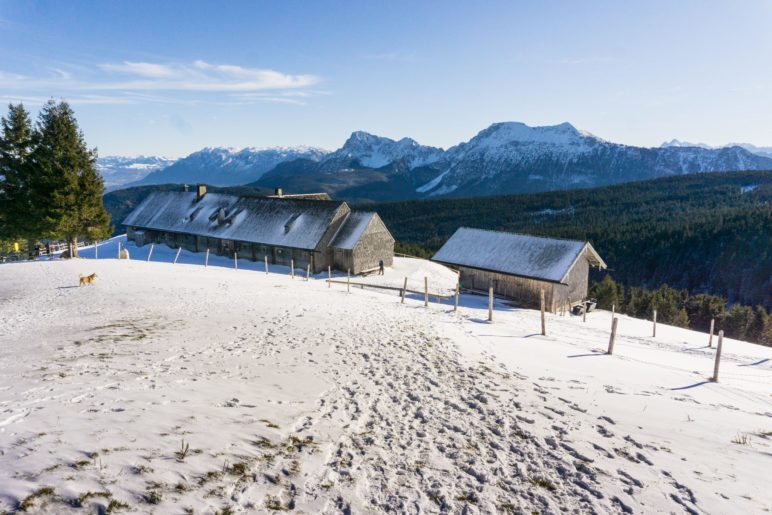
284,222
538,257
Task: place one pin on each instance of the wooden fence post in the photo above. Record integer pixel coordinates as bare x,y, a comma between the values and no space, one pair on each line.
119,250
718,355
613,336
613,310
654,325
236,260
404,291
490,302
308,271
426,291
455,298
710,340
150,252
266,264
206,258
348,280
177,255
543,320
584,313
329,276
292,268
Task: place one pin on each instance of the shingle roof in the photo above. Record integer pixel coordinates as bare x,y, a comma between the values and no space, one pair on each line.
349,233
516,254
279,222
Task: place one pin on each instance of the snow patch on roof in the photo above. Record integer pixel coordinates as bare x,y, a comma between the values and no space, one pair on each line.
279,222
352,229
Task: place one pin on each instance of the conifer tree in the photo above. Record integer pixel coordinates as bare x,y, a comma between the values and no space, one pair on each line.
16,145
67,180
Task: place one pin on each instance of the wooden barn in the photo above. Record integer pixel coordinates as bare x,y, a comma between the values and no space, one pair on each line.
308,231
519,266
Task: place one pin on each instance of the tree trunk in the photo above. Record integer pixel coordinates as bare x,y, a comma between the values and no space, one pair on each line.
74,247
31,249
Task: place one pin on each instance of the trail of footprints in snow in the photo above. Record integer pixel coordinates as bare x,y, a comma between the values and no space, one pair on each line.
419,426
453,434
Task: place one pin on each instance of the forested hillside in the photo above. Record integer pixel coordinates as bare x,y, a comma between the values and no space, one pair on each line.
703,232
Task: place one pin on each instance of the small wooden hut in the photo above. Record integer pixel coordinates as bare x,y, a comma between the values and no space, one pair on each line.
520,266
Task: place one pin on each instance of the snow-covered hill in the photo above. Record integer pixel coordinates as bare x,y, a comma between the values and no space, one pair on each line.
165,388
229,166
118,171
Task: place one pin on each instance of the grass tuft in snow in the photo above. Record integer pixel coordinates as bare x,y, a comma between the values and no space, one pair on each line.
141,469
152,496
741,439
296,444
115,505
239,469
274,505
80,501
543,483
29,501
183,452
263,443
269,424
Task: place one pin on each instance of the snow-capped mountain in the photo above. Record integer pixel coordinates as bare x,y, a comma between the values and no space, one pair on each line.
753,149
364,150
678,143
119,170
513,157
230,166
508,157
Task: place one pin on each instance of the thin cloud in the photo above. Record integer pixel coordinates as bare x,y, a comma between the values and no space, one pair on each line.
151,70
202,76
129,82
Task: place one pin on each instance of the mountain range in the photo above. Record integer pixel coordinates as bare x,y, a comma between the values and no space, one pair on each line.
753,149
507,157
120,170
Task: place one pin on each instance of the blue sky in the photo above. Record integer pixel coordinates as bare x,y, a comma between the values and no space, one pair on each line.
168,78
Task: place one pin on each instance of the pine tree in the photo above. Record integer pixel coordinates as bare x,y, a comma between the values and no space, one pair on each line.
608,293
66,176
16,145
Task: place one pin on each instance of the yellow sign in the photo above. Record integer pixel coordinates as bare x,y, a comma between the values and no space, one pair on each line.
16,246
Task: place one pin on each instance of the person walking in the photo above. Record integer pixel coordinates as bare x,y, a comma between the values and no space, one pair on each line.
380,267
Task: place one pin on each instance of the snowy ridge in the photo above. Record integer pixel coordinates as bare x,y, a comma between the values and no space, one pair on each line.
376,151
222,166
506,157
120,170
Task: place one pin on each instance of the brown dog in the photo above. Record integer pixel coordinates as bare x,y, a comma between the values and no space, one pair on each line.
87,279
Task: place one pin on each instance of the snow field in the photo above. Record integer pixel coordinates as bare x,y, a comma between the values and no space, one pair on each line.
293,395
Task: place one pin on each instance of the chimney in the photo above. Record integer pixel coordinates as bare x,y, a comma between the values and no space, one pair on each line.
200,191
185,188
278,192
